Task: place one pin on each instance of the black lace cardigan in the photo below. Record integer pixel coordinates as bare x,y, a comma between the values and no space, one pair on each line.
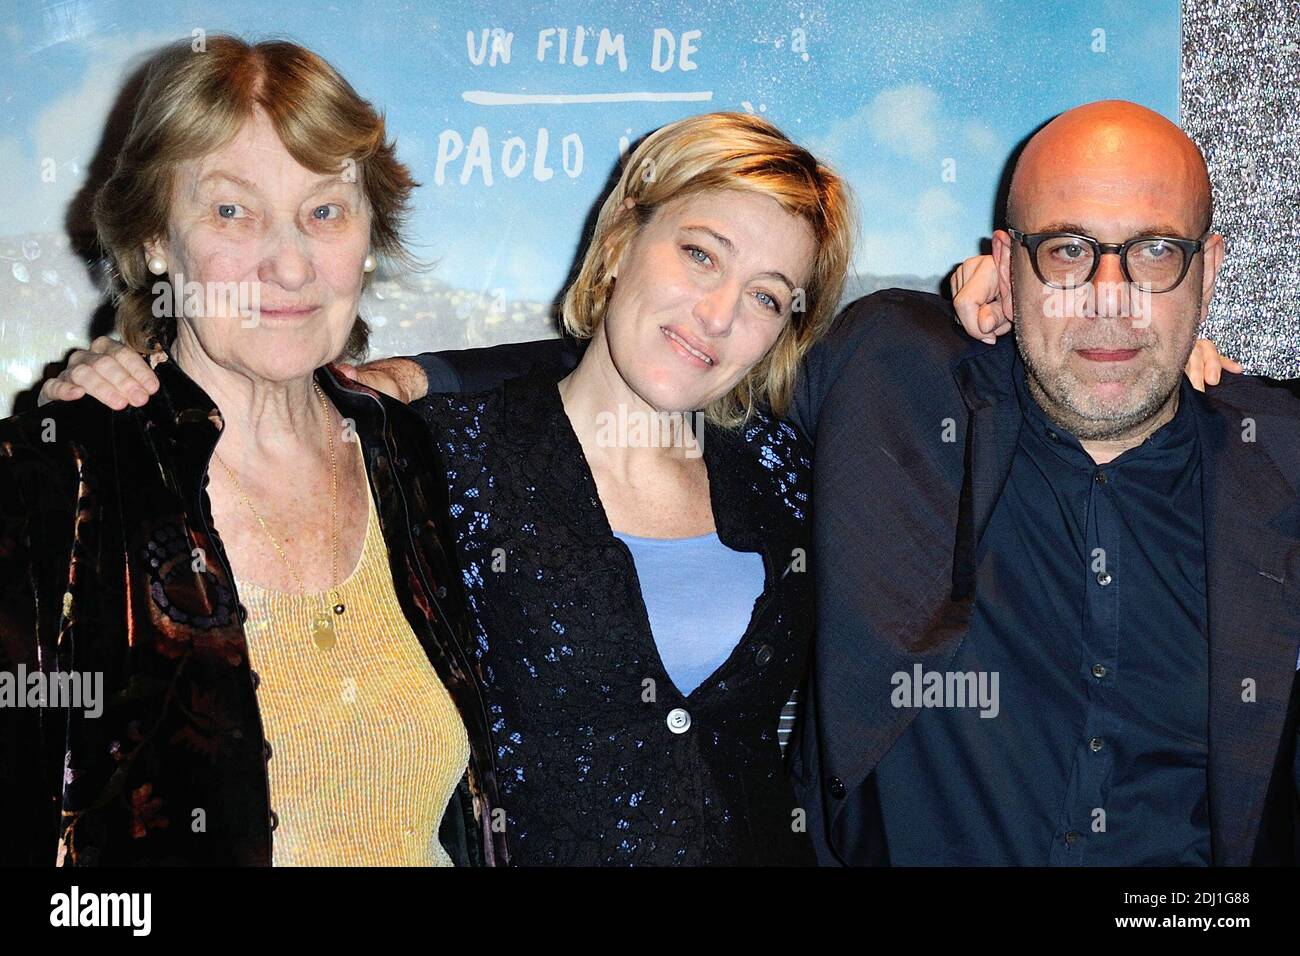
600,759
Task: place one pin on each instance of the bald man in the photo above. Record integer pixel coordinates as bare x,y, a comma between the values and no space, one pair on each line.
1058,588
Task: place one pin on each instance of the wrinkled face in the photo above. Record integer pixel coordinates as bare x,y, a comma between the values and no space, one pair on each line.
250,225
1106,357
702,292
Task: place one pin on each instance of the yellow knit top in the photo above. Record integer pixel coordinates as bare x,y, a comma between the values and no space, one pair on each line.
367,745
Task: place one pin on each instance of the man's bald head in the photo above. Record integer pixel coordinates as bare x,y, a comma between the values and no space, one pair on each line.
1115,152
1104,358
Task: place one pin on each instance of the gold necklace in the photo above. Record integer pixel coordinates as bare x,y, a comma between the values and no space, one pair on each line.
322,628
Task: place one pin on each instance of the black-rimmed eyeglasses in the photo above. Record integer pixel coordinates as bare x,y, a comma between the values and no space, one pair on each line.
1067,260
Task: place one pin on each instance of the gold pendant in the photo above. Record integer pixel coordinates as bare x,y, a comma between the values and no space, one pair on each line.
322,632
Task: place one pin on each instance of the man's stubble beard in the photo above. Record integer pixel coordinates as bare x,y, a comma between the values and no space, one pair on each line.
1065,398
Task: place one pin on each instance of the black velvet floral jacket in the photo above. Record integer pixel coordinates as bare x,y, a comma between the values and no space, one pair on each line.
109,565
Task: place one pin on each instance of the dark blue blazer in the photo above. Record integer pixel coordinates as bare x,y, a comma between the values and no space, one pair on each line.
897,512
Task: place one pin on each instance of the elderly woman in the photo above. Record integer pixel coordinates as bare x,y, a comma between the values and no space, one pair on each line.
255,562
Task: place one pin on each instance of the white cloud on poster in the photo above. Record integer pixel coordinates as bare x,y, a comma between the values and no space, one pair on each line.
903,119
914,222
981,139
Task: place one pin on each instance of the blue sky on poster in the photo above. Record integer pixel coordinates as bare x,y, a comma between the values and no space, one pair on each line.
886,92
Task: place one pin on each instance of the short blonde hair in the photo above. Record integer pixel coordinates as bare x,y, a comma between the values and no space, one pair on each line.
726,151
193,103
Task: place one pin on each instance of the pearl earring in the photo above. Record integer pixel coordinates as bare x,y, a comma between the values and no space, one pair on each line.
157,265
370,263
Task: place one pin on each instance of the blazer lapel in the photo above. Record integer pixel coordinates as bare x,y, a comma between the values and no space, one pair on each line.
1252,557
855,738
991,445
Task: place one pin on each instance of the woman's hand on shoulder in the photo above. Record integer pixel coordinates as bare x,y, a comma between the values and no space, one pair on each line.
1205,365
982,313
109,372
398,378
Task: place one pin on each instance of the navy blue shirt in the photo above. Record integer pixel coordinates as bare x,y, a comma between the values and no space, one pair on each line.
1090,609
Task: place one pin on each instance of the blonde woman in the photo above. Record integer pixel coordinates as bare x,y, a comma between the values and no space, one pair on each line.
642,597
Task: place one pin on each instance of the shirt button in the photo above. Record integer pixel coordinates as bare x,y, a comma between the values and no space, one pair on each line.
266,749
836,787
1095,744
679,721
1071,838
253,676
1099,671
1103,578
764,656
1100,477
1053,436
275,820
402,463
441,592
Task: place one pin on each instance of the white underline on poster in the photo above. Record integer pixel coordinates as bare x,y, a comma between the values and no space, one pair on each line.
488,98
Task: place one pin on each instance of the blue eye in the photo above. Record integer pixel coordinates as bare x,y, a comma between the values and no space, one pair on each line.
230,210
330,210
770,302
693,250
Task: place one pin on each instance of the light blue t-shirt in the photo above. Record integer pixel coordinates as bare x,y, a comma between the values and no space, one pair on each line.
699,595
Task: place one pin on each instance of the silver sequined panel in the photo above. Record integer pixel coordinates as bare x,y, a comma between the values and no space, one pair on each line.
1241,104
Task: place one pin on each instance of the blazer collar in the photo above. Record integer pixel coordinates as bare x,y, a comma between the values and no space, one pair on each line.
984,376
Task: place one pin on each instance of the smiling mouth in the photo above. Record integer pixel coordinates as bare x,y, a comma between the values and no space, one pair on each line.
289,310
1107,355
704,357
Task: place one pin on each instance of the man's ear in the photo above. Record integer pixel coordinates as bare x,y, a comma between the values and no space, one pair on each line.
1212,253
1003,248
